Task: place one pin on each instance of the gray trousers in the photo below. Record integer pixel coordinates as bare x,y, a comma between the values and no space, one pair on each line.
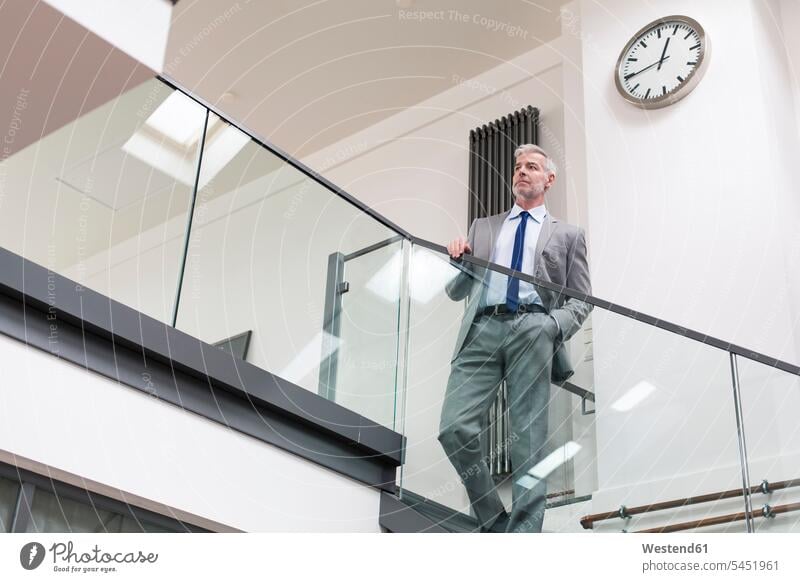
519,349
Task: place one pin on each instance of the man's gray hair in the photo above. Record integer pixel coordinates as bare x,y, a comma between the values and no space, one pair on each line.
529,148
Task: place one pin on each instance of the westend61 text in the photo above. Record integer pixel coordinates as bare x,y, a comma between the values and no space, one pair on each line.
673,549
96,555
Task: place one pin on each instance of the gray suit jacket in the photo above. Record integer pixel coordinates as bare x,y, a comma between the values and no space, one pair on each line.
560,259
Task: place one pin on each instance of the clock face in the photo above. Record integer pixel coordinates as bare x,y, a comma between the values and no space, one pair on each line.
663,62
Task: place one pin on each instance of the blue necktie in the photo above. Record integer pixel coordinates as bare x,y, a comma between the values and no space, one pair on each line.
512,292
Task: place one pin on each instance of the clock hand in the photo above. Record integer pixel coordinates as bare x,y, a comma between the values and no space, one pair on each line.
643,70
662,59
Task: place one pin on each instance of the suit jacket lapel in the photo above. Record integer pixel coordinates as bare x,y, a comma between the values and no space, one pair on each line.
548,227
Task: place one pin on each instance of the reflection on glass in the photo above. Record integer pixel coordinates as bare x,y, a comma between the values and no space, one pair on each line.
322,346
9,490
633,397
54,514
770,398
104,198
550,463
264,240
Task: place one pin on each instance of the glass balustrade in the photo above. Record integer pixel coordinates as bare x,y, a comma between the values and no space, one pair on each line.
158,202
770,398
662,426
9,491
104,198
53,513
666,428
276,257
363,373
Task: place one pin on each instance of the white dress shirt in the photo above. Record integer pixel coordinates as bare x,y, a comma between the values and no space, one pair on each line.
495,292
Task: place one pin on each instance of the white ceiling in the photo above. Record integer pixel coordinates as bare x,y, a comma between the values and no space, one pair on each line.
306,74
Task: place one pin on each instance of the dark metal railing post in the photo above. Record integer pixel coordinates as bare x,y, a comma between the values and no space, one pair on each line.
182,270
737,404
335,286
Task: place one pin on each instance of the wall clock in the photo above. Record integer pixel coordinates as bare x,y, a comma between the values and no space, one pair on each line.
663,62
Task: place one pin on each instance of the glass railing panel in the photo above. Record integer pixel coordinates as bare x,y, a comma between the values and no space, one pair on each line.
662,428
54,513
266,263
363,373
770,399
666,428
104,198
435,424
9,491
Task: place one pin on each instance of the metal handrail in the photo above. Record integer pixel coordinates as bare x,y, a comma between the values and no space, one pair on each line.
766,487
562,290
578,391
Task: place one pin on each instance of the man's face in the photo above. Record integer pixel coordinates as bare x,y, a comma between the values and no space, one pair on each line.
531,178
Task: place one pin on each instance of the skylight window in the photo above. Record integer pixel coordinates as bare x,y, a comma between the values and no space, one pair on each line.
179,119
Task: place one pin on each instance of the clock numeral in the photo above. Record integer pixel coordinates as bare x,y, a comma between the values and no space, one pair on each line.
633,59
663,89
688,34
634,89
680,79
646,95
659,33
692,63
643,44
674,30
691,48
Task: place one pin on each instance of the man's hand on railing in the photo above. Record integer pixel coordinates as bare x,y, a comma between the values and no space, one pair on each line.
458,247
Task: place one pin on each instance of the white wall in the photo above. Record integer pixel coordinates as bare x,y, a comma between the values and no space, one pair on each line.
687,208
413,166
57,415
787,19
691,213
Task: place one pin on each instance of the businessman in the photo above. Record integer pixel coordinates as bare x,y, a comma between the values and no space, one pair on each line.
513,331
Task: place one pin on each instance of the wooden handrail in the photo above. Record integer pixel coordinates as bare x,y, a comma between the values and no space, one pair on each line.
588,521
719,520
560,493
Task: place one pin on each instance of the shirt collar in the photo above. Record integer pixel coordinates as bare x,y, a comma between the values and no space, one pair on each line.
537,213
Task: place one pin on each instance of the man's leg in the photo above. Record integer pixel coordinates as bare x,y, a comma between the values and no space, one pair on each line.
529,354
474,379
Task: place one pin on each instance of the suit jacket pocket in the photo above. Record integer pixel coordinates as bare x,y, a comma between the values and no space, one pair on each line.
554,264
